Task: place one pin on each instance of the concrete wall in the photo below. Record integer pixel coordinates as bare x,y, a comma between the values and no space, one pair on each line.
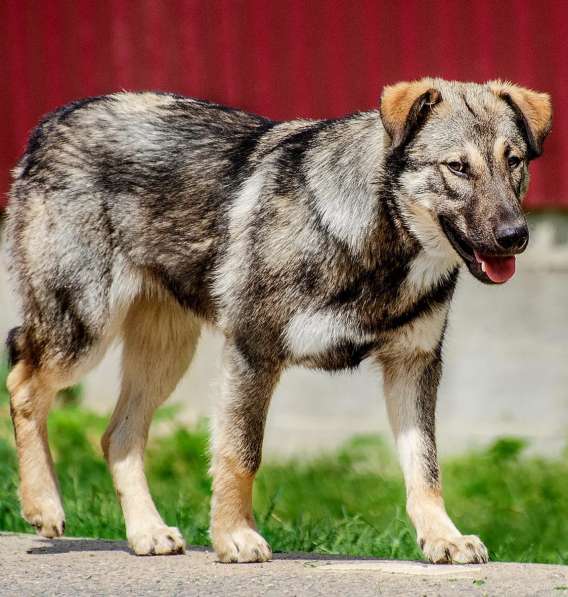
506,369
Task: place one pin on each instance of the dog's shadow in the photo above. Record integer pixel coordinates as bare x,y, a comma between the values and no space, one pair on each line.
319,557
61,546
57,546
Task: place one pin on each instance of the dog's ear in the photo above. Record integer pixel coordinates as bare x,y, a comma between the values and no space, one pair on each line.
532,109
405,106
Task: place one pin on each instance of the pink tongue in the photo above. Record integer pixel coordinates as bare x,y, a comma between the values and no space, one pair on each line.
498,269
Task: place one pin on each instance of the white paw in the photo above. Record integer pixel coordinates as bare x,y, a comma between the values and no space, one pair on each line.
241,545
465,549
157,541
49,519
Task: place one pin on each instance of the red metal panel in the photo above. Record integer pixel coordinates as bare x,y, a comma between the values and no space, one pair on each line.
282,58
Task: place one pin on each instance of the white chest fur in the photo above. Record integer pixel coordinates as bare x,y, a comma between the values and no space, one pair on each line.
429,268
310,333
316,331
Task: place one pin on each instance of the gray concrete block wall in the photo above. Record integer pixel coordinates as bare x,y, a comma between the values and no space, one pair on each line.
506,369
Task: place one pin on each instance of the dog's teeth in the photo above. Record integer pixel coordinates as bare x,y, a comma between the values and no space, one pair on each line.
483,266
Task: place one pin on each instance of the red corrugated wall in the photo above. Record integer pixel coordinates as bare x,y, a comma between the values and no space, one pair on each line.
281,58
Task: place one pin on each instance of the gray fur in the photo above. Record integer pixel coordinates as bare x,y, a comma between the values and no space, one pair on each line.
313,243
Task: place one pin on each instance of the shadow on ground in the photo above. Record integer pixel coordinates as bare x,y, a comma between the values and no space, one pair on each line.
78,545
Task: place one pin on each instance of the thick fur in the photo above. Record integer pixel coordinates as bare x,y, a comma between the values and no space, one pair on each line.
313,243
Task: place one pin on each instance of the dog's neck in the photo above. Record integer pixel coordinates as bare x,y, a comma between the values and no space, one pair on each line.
345,198
357,200
363,206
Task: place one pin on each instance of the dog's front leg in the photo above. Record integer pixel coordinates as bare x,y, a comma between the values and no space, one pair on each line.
237,450
411,384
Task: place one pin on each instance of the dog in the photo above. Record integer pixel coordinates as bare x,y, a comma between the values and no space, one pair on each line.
142,216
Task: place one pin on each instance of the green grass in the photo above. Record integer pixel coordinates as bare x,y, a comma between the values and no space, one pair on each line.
350,502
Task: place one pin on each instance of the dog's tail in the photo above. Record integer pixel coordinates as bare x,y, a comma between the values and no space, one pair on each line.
13,344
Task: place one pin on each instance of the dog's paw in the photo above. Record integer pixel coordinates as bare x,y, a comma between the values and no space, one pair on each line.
157,541
466,549
241,545
48,520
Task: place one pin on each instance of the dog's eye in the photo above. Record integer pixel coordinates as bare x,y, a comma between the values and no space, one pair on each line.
456,167
513,162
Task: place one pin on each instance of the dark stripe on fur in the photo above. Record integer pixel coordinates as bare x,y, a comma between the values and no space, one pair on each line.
79,337
194,297
240,154
38,135
533,147
64,112
451,193
345,355
396,163
440,294
293,148
35,141
428,385
470,109
14,350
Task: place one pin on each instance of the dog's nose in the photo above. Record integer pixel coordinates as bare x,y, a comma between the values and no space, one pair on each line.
512,238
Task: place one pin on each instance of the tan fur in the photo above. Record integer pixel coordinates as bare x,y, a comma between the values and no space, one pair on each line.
237,447
437,535
233,529
536,106
159,342
396,102
31,398
499,151
475,158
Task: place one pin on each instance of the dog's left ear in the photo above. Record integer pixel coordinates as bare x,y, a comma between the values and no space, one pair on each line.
404,107
533,111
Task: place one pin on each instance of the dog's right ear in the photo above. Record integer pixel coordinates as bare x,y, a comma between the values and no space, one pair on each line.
532,109
404,107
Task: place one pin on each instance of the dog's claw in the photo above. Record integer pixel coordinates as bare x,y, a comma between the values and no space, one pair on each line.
467,549
158,541
49,523
241,545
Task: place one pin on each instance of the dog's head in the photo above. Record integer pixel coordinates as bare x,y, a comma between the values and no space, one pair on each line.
460,155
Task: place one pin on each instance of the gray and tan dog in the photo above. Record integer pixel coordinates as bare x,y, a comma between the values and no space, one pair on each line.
142,216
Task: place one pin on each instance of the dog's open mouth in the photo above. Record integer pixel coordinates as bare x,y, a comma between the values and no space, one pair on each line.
491,269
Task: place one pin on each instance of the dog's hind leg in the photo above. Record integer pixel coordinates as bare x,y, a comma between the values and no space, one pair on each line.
411,383
237,449
43,366
31,398
74,288
159,341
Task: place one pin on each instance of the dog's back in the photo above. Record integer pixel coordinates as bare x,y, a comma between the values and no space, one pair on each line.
113,184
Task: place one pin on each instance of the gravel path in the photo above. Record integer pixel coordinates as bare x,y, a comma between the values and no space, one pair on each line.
31,565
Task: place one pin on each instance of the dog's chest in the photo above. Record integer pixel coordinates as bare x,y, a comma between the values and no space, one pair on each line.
427,270
327,338
411,315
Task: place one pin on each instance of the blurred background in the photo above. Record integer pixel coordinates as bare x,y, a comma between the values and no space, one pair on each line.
507,350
